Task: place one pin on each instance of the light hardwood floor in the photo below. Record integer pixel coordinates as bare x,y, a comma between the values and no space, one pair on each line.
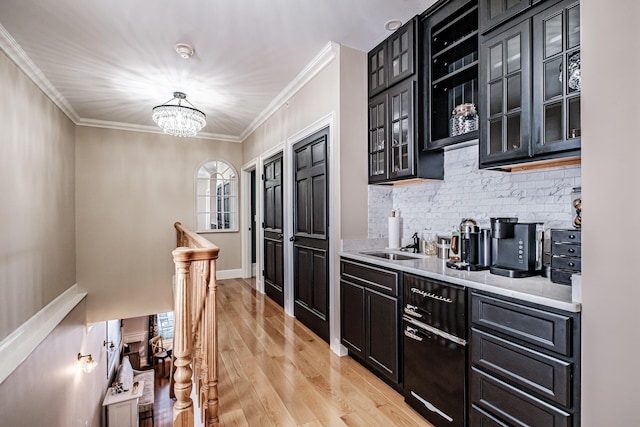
276,372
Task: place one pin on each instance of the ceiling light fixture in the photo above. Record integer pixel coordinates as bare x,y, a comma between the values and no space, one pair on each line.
178,119
393,24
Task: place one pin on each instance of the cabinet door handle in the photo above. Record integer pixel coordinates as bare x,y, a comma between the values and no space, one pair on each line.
571,250
412,310
412,333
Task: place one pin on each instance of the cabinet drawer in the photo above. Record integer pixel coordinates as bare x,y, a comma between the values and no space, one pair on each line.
479,418
566,263
567,236
565,249
385,281
561,276
538,327
534,371
513,405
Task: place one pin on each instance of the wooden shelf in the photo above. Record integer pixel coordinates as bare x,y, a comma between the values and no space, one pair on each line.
457,77
454,21
451,140
456,44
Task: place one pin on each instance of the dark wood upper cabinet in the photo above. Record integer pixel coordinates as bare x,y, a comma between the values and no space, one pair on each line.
393,60
530,89
395,111
450,70
495,12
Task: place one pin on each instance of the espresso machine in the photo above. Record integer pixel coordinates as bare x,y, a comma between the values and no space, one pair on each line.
475,247
516,247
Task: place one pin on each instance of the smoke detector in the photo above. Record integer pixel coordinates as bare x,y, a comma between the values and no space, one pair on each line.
184,50
392,24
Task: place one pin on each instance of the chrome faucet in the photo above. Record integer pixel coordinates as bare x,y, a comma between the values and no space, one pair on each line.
415,245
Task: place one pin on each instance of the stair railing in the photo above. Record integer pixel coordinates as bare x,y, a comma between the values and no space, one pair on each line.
195,343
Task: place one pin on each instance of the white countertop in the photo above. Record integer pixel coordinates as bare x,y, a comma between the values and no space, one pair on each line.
536,289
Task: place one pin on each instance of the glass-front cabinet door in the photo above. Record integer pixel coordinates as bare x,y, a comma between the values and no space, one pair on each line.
557,83
494,12
401,53
505,95
378,138
401,138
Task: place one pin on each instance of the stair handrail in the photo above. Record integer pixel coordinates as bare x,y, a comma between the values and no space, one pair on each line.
195,344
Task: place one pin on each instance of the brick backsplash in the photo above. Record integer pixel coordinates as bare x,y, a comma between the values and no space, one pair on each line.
543,195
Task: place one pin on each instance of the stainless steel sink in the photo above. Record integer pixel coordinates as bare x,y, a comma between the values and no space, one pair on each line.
390,255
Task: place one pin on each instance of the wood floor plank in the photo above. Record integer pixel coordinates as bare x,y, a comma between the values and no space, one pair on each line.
275,372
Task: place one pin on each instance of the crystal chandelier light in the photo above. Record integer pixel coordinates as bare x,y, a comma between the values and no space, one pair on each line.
178,119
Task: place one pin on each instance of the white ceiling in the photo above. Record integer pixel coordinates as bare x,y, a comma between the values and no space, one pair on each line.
108,62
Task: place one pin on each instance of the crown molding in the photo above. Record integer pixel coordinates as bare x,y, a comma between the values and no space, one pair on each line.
151,129
317,64
22,60
13,50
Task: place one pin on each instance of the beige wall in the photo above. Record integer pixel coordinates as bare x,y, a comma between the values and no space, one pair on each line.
131,188
49,388
341,88
37,180
353,144
610,175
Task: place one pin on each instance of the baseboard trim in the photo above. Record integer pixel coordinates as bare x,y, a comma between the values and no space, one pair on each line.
17,346
229,274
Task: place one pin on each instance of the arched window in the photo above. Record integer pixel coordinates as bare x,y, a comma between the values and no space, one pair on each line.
216,197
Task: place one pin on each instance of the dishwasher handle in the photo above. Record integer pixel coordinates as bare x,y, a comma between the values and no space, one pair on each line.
414,311
414,334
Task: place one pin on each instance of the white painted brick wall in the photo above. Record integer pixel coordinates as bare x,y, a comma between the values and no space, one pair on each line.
542,196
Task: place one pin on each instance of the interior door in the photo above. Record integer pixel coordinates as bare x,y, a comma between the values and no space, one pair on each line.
310,233
273,237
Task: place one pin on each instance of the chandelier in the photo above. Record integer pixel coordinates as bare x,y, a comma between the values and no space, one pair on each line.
178,119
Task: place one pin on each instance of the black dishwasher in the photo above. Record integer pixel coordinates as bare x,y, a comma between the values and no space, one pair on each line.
435,355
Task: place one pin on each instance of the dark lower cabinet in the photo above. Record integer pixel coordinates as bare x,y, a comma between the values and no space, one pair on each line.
369,318
525,364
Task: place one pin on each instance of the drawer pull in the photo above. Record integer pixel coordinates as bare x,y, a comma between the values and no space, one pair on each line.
571,250
572,264
412,333
412,310
572,236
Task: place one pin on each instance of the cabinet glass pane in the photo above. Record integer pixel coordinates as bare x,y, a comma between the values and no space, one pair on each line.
553,78
553,122
405,131
380,77
404,41
381,58
395,49
514,92
395,107
381,139
513,54
495,62
395,134
404,97
495,98
405,157
396,159
404,61
381,115
495,136
513,132
495,8
553,36
513,3
573,27
395,66
374,62
573,129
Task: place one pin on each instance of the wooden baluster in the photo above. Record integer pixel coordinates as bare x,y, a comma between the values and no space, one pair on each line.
212,348
183,407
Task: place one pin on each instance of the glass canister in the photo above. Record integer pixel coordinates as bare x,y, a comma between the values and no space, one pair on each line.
464,119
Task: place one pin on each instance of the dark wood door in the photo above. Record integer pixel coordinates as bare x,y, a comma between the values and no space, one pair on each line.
273,237
310,233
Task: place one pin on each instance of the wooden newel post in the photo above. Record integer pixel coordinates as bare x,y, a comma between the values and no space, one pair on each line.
183,407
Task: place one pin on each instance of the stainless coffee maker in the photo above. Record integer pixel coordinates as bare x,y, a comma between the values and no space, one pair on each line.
475,247
516,247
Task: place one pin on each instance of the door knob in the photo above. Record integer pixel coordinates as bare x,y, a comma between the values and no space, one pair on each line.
292,238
